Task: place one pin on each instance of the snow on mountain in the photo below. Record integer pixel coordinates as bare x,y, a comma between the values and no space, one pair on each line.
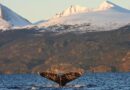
73,9
4,25
107,5
9,18
107,16
104,6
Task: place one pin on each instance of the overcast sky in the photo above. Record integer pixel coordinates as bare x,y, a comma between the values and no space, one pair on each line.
35,10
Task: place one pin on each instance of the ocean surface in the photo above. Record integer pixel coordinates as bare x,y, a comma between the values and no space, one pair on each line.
89,81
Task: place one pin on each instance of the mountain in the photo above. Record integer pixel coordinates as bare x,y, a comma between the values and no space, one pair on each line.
107,5
4,24
73,9
24,51
9,18
104,6
107,16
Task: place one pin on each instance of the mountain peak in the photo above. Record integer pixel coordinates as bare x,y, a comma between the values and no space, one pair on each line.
11,17
73,9
76,7
106,5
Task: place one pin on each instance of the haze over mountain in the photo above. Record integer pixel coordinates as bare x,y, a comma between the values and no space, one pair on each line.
107,16
8,18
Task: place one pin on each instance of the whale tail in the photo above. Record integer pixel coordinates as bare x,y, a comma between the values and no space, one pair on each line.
61,78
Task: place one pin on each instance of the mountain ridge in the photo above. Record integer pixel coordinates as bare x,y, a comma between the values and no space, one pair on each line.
107,16
12,18
75,9
109,5
31,50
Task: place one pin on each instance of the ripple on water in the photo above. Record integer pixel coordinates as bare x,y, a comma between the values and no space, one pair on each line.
89,81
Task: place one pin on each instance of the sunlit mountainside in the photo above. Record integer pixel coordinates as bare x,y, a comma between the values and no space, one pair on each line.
95,40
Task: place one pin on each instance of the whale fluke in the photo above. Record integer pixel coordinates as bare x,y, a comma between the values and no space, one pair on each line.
61,78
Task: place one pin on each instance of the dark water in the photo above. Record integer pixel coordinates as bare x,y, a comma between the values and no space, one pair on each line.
97,81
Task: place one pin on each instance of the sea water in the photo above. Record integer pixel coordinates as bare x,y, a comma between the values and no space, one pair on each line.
89,81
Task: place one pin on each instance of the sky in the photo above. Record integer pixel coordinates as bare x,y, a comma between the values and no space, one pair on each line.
36,10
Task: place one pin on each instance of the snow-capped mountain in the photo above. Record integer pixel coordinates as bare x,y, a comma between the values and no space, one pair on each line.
107,5
73,9
104,6
8,18
107,16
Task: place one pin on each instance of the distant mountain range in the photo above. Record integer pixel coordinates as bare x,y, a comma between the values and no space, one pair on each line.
75,9
107,16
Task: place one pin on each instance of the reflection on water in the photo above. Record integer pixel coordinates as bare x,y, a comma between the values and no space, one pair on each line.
97,81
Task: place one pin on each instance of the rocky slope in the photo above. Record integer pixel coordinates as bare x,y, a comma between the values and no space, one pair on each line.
23,51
